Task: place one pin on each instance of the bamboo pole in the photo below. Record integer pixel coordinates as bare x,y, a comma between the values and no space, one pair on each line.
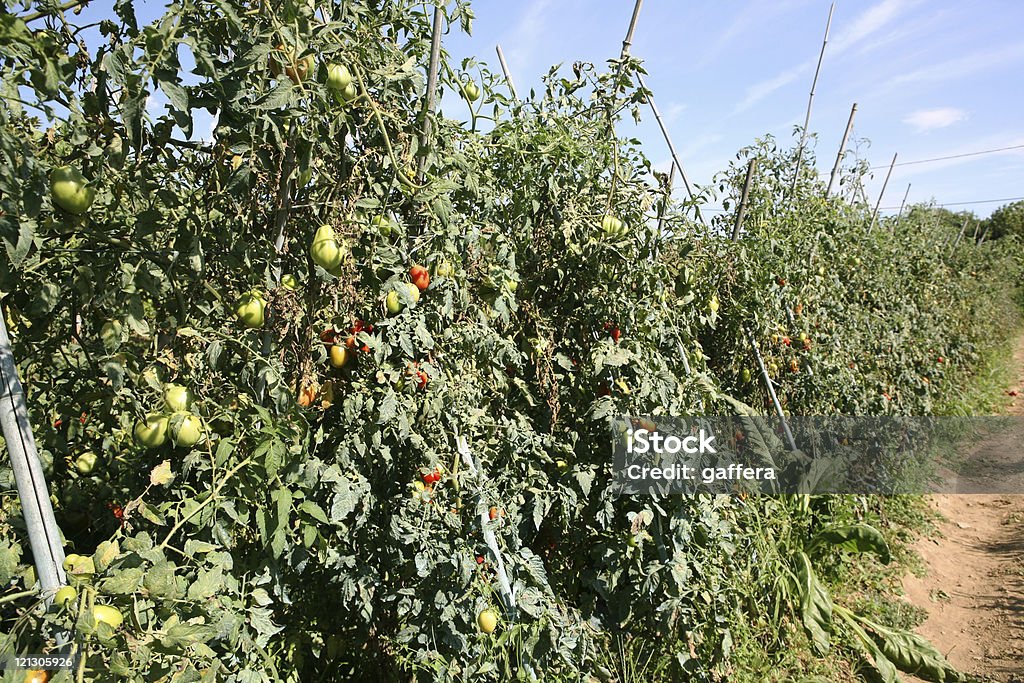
842,150
671,147
508,74
878,204
627,43
977,226
899,215
960,236
667,191
435,59
741,210
43,534
810,103
769,385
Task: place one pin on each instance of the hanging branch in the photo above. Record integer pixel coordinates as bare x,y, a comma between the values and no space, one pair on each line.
810,102
878,204
741,210
666,188
508,75
842,151
435,59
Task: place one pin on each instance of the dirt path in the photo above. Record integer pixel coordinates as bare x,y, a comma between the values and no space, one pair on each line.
974,588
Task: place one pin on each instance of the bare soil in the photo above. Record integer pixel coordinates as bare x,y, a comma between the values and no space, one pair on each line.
973,591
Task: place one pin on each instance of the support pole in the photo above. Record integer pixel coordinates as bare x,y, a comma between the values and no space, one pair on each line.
43,534
899,216
667,190
842,151
671,147
435,59
810,103
769,385
741,210
878,204
508,74
628,41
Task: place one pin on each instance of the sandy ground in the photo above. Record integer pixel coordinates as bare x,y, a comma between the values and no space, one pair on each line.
974,589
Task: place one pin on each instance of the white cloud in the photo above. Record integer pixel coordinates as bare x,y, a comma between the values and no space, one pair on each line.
673,111
961,66
930,119
871,21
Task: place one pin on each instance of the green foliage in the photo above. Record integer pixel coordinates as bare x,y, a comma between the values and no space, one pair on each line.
1006,220
294,541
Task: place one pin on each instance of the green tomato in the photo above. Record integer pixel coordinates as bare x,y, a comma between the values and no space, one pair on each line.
177,397
106,615
349,93
443,269
65,596
338,77
713,304
86,462
487,620
471,90
152,433
412,292
326,250
250,309
562,466
745,375
186,429
383,224
394,303
69,190
612,226
289,281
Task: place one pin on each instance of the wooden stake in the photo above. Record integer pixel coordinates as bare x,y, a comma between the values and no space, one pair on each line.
902,204
671,147
842,151
508,75
435,59
963,228
667,190
810,102
628,42
741,210
878,204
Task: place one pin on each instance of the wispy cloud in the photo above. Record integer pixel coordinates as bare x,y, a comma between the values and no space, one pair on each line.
673,111
871,21
522,41
930,119
961,66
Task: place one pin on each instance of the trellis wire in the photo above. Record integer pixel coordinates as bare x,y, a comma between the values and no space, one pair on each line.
810,103
842,150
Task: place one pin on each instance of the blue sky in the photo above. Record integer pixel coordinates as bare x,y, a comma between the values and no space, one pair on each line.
931,78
